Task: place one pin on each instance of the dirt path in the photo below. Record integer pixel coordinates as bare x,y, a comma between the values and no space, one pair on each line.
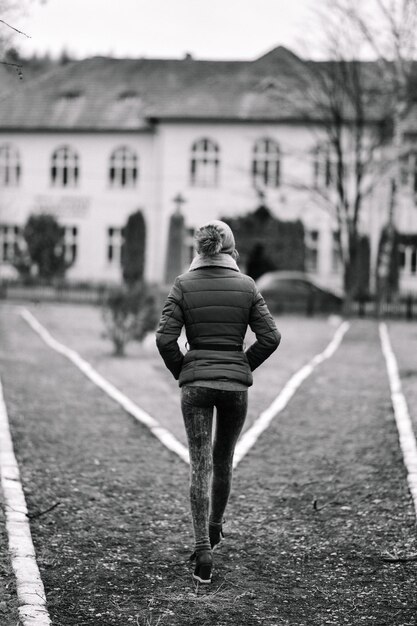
114,551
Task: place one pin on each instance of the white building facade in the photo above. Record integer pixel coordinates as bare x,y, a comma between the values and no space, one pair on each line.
92,182
93,172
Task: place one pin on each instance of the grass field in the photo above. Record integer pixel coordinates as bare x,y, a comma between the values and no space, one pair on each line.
315,506
142,375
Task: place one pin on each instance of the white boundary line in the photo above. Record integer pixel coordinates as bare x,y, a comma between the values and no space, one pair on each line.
250,436
30,590
402,417
167,438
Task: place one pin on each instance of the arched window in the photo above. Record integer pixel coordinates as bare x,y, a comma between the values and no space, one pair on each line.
123,171
324,167
64,167
9,166
205,162
266,164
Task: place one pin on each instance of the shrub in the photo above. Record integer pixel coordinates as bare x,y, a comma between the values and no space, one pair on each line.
43,250
128,314
133,249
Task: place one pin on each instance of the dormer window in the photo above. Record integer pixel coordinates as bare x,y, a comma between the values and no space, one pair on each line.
128,96
68,105
71,94
269,83
128,101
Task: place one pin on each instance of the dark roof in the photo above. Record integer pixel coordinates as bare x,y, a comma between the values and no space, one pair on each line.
15,70
107,93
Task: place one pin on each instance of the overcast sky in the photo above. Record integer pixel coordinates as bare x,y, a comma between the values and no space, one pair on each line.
208,29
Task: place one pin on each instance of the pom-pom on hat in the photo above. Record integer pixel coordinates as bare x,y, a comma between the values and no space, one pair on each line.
214,237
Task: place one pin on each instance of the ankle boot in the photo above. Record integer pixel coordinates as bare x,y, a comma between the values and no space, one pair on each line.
203,567
215,533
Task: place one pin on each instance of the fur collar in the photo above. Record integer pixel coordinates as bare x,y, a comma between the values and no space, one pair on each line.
218,260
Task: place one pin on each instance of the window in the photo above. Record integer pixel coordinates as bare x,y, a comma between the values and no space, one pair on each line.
312,238
9,166
10,237
408,171
408,259
123,170
64,167
266,164
114,245
336,256
68,106
402,257
324,168
205,163
404,170
189,245
70,243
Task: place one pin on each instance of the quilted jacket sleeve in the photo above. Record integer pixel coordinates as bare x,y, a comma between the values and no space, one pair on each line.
169,329
263,325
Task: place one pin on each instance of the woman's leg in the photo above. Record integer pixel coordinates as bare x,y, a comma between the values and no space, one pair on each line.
231,414
197,409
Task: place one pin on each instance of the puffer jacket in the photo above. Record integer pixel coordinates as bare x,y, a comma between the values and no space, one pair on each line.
216,305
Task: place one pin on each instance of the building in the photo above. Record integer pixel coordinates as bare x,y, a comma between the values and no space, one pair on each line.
94,140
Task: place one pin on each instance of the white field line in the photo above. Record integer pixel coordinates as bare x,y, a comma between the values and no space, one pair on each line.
402,417
165,437
247,440
30,591
250,436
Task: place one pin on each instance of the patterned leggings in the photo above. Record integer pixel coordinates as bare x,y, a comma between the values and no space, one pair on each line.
207,460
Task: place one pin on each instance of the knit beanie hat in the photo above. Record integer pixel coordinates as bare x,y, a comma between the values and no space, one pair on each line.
214,237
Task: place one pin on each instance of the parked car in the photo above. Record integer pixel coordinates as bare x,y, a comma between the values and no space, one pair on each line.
298,292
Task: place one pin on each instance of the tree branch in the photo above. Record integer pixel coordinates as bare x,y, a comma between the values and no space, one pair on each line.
15,29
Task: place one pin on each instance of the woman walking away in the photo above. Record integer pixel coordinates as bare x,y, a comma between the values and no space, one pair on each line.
216,303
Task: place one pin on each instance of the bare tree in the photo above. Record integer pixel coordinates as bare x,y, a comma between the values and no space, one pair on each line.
389,28
9,12
347,155
361,106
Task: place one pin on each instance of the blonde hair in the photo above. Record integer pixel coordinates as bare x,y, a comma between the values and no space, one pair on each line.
209,240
